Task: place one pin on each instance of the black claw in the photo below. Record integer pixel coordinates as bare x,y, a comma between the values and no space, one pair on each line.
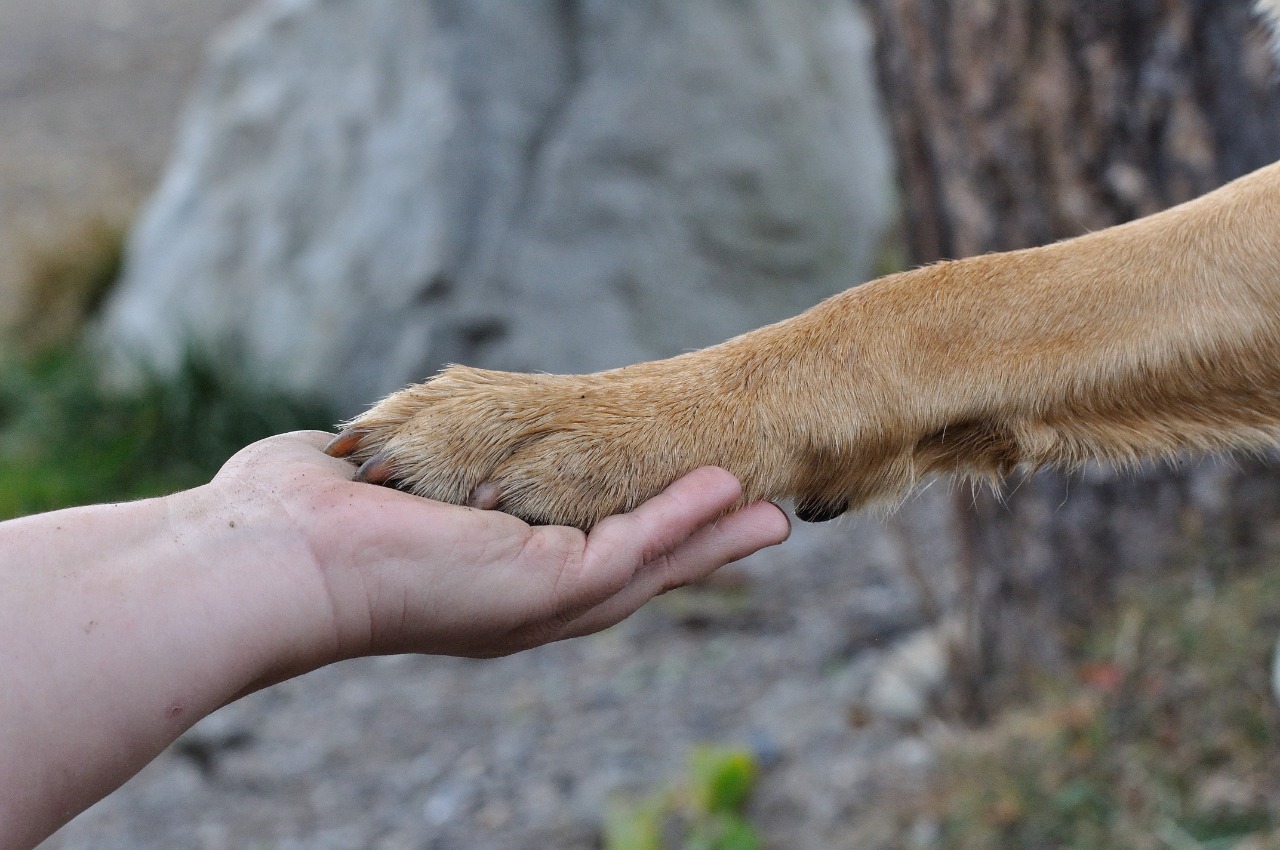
820,510
376,470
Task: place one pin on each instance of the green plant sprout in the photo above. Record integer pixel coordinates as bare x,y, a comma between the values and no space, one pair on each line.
704,812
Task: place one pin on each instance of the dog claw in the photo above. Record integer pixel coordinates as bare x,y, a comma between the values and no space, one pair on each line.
376,470
486,496
345,443
818,510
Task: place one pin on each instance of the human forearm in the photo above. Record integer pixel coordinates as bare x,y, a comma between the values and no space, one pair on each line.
123,625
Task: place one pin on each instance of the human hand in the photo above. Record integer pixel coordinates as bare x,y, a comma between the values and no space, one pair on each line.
405,574
156,612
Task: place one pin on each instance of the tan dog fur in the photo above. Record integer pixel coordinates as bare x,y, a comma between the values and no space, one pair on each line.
1148,339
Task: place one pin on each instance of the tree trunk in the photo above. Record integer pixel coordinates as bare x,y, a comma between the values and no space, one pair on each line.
1020,122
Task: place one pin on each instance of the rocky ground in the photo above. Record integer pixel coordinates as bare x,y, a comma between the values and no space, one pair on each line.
777,654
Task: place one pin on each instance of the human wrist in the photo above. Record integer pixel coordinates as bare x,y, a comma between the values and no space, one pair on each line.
261,574
129,622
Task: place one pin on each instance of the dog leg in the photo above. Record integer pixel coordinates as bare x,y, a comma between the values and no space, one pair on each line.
1151,338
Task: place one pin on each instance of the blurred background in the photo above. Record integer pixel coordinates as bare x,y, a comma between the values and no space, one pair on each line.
229,219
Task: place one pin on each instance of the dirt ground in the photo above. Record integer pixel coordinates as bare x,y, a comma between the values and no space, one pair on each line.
90,92
419,753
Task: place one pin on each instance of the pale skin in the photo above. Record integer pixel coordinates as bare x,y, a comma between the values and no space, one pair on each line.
122,625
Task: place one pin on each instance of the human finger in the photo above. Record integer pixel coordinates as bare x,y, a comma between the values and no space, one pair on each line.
728,539
619,545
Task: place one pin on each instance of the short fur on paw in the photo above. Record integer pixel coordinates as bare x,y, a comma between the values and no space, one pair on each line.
551,449
778,407
573,449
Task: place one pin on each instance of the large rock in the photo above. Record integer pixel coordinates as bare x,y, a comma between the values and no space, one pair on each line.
363,190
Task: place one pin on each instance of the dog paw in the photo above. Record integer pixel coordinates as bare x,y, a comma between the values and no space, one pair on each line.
776,407
550,449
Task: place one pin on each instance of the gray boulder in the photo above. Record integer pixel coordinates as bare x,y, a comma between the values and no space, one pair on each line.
363,190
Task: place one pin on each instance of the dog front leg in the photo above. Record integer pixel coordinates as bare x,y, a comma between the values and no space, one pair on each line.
1147,339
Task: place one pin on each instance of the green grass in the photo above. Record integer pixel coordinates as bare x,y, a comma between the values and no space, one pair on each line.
703,812
64,440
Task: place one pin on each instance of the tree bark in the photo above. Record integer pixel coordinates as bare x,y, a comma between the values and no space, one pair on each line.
1020,122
